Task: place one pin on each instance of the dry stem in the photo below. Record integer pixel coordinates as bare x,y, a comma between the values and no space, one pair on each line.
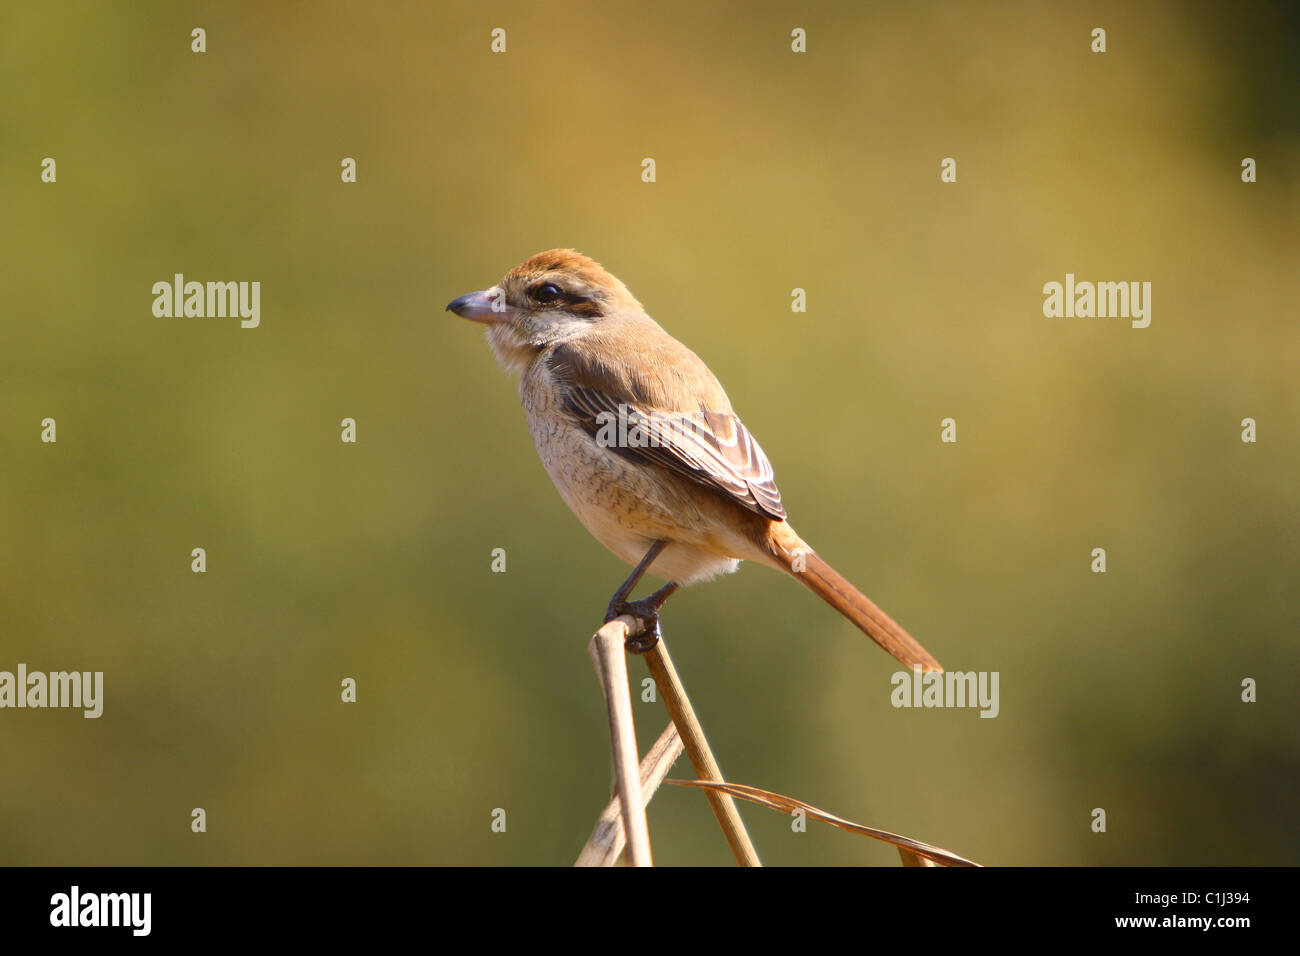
610,660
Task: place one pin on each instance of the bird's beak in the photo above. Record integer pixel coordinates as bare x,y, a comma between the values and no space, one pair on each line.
486,306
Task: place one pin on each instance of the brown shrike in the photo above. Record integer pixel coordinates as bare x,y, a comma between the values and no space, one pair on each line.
642,444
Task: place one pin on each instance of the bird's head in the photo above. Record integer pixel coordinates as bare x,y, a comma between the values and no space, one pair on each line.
546,299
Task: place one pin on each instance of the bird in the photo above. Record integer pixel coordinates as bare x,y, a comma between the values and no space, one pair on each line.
641,441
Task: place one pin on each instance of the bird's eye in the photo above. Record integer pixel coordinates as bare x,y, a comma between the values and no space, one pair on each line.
546,292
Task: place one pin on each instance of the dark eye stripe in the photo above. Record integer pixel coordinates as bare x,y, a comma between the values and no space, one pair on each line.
578,305
585,306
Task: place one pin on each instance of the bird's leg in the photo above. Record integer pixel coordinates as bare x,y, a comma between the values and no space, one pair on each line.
617,602
646,609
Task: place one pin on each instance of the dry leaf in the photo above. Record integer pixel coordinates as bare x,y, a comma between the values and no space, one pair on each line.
776,801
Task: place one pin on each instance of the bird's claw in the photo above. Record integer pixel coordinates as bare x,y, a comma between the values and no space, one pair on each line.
645,611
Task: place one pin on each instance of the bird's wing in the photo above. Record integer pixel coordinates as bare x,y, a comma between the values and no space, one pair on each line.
632,408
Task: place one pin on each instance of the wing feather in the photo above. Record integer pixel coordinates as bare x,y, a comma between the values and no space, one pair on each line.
709,445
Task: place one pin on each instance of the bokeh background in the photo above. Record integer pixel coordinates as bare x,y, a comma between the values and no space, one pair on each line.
775,171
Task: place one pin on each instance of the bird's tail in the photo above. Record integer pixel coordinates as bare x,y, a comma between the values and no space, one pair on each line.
793,554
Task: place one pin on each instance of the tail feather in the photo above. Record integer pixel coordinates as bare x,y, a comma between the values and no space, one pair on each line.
828,584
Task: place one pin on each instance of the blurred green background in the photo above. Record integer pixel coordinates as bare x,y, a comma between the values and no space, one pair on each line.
775,171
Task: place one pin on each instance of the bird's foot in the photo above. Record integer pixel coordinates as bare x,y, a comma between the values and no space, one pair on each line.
646,611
